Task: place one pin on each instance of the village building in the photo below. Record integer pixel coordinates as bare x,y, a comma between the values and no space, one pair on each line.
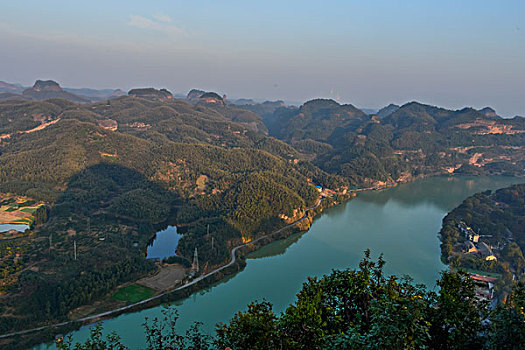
470,247
486,251
469,233
484,286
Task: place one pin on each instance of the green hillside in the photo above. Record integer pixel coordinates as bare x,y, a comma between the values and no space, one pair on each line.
113,172
414,140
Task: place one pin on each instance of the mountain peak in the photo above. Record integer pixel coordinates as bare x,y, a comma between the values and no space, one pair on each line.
488,112
151,94
48,89
46,85
386,111
212,97
194,95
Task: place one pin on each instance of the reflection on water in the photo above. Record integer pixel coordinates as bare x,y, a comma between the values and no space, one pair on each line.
401,222
443,191
276,248
164,244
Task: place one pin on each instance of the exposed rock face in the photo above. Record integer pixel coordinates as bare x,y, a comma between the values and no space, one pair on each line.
194,95
489,112
212,98
46,85
151,94
47,89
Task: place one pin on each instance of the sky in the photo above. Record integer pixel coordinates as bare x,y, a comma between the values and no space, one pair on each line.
369,53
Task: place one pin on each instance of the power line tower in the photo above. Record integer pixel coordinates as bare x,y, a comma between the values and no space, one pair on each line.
195,265
75,249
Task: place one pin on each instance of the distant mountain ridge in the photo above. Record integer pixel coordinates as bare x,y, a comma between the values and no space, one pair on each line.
96,95
151,94
48,89
13,88
386,111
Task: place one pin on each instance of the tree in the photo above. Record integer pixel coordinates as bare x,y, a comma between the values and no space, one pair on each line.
456,316
254,329
507,329
95,341
162,334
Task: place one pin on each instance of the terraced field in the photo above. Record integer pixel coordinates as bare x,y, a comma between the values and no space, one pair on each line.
16,210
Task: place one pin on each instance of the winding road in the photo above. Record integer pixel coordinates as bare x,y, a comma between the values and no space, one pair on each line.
192,282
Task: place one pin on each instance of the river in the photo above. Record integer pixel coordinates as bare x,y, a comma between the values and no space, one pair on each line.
402,223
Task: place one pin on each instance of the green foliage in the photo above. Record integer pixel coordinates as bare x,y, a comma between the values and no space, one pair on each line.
175,259
359,309
498,218
507,329
456,318
255,329
106,189
96,341
133,293
414,140
161,334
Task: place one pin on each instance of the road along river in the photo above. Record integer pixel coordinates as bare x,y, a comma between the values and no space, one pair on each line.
400,222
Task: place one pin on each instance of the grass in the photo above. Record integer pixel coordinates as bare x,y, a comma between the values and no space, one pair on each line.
29,210
133,293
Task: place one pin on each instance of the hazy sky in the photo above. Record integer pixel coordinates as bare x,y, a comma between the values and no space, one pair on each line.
451,53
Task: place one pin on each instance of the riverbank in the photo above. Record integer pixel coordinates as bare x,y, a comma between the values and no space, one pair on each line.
236,264
400,222
448,188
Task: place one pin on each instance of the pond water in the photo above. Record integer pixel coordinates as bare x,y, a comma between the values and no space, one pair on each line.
7,227
402,223
164,244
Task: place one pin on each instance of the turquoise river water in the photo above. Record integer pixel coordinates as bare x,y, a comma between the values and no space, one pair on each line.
402,223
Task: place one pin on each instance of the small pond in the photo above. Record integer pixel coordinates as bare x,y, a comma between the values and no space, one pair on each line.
164,244
7,227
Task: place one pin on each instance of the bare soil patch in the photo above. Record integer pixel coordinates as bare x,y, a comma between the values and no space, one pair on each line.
169,276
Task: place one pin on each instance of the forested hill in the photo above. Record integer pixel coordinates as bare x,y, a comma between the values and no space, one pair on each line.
488,219
110,172
408,141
